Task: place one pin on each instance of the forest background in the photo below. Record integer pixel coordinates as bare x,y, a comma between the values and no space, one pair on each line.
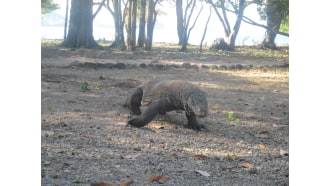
52,26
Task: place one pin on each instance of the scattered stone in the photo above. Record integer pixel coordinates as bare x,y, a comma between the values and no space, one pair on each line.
160,66
186,65
76,64
215,67
239,66
119,65
223,67
205,66
196,67
175,66
143,65
150,65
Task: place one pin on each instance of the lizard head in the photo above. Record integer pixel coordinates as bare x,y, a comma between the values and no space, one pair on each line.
197,104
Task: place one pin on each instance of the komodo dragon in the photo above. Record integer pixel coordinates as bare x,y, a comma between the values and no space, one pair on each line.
162,96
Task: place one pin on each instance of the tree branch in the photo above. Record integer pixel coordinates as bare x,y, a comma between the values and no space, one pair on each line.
99,8
223,8
220,17
205,29
251,22
107,6
194,22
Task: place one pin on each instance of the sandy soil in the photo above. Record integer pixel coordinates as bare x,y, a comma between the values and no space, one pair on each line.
85,139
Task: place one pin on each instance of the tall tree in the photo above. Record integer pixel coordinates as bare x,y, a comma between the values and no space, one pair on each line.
183,21
179,20
152,15
80,33
131,25
142,23
221,7
119,25
276,13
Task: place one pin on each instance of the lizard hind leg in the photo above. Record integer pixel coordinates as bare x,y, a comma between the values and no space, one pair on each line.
157,107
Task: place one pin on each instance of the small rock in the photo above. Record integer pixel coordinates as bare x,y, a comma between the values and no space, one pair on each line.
204,173
253,171
119,65
284,152
143,65
186,65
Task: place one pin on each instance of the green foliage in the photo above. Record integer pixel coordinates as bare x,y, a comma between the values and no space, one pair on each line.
48,6
84,87
51,107
96,85
231,117
285,24
275,10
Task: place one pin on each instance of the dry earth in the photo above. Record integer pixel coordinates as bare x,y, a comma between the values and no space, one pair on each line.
85,139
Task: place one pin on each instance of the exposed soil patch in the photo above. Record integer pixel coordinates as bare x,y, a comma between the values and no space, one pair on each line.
85,138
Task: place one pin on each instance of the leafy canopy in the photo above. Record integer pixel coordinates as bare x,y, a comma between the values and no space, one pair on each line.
48,6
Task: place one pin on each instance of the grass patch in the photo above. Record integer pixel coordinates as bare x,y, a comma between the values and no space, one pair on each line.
231,117
51,107
84,87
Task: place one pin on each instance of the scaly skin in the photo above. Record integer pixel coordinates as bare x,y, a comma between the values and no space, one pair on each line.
162,96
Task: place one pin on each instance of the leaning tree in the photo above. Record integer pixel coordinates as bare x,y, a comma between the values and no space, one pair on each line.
80,34
237,7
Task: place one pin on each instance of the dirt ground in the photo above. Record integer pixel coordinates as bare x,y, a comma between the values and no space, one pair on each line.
85,139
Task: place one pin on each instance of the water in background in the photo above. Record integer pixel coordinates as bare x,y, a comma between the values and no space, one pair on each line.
170,36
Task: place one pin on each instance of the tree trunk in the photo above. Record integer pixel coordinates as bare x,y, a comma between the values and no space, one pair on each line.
179,21
119,26
129,26
66,18
133,41
269,40
142,24
152,15
274,22
186,30
234,32
80,33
